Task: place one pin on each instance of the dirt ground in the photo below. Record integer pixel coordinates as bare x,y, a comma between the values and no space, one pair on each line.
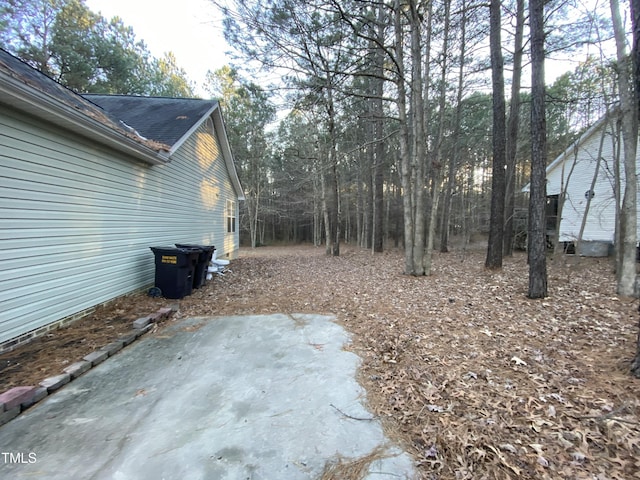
475,380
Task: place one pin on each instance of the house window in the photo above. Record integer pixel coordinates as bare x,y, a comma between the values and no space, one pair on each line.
551,213
230,215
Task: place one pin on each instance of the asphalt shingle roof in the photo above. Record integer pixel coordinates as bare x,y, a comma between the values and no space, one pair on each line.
162,119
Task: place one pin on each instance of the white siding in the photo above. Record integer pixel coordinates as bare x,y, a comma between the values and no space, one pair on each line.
77,220
600,225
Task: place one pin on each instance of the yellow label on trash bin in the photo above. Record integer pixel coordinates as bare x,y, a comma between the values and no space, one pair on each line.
169,259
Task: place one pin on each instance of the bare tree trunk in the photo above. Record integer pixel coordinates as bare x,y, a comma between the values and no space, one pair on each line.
446,207
629,116
254,220
635,363
455,158
512,130
337,212
587,207
262,229
436,166
325,214
378,198
617,192
390,197
635,22
251,214
359,204
317,214
378,112
432,222
564,184
412,135
496,226
404,166
419,139
538,193
468,201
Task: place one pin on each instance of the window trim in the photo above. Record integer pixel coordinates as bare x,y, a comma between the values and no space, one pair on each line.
230,216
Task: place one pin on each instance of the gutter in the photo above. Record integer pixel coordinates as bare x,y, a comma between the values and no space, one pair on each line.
22,97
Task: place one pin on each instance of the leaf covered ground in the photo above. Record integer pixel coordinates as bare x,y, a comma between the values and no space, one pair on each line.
472,378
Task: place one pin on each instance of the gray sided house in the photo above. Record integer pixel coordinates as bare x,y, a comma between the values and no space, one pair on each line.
89,183
590,173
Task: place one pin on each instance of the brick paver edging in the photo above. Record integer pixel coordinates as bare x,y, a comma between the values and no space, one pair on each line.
18,399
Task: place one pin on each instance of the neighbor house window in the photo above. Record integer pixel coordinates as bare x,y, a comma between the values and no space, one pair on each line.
230,214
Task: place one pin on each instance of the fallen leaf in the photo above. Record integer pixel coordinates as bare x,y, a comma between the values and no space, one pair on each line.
543,461
518,361
507,447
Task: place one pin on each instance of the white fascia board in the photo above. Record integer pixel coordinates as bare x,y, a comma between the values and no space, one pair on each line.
192,130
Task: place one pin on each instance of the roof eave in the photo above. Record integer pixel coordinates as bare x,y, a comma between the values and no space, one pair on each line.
193,128
218,123
24,98
574,145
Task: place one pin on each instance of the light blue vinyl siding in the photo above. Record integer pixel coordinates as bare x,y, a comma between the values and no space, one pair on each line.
77,219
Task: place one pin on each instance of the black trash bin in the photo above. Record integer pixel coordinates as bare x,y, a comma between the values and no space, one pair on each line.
175,268
204,257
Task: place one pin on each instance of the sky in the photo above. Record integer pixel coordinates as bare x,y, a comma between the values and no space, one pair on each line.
191,29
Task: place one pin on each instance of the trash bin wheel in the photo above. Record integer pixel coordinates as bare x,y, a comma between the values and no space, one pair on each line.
154,292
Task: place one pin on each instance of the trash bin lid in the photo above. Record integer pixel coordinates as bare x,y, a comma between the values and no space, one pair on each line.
176,251
166,249
207,248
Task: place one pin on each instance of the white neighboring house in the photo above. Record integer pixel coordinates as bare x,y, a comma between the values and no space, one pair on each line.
89,183
574,172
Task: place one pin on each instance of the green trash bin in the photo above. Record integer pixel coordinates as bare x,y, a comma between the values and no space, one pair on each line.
175,268
205,252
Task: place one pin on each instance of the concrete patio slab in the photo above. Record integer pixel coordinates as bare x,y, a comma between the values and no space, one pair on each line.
247,397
